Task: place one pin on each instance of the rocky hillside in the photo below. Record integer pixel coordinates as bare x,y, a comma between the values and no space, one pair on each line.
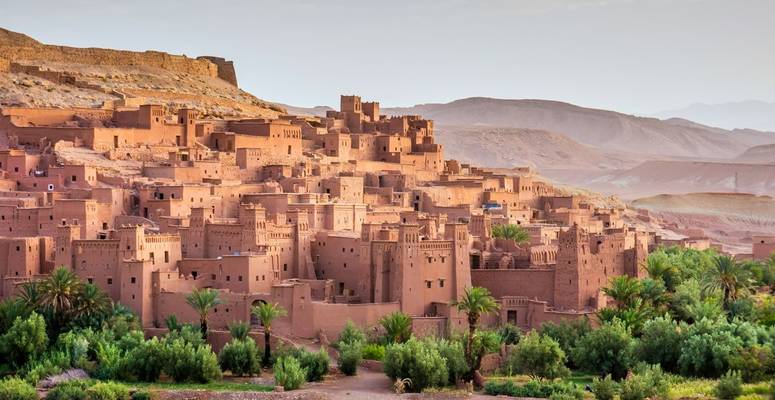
605,130
764,154
509,147
41,75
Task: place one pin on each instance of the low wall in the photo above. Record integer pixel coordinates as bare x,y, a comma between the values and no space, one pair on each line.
330,318
531,283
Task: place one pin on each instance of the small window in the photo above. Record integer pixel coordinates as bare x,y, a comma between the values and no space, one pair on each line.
428,284
110,281
132,280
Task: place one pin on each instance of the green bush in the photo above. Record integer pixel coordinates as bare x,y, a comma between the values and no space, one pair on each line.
660,343
606,350
755,363
646,383
185,362
729,387
350,334
49,364
131,340
107,391
146,361
316,364
241,357
239,330
397,326
350,355
454,357
539,357
288,373
70,390
188,333
16,389
510,334
25,340
111,362
534,389
708,348
419,362
566,333
141,395
373,351
75,345
604,389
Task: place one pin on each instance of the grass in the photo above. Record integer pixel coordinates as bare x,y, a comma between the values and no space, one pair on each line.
704,388
212,386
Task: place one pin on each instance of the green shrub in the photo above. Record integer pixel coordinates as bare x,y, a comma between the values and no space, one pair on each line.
16,389
316,364
707,348
660,343
146,361
454,357
755,363
107,391
188,333
539,357
729,387
239,330
398,327
75,345
604,389
566,333
606,350
141,395
419,362
111,362
373,351
241,357
649,382
534,389
70,390
49,364
288,373
131,340
510,334
25,340
185,362
350,334
350,355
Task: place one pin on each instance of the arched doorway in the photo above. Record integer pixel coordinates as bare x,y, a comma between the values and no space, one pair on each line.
254,321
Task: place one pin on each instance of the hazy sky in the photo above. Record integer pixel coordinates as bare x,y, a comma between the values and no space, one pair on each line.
632,56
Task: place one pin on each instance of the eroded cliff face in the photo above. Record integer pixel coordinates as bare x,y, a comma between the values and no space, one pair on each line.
41,75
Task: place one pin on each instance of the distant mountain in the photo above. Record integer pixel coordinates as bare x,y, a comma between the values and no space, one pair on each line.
606,130
317,111
752,114
764,154
509,147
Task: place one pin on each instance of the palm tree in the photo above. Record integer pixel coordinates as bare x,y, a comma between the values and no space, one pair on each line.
729,277
29,294
659,267
398,327
512,232
92,305
202,300
59,294
624,290
266,313
475,302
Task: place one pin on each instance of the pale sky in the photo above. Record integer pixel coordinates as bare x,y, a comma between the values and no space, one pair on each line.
631,56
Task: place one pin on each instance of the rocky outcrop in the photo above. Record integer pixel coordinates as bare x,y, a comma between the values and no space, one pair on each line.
18,47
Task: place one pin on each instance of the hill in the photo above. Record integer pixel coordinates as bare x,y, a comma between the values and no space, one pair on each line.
606,130
743,114
41,75
508,147
764,154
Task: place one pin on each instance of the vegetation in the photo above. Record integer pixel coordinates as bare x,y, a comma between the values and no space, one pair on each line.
350,355
512,232
534,389
539,357
419,362
373,351
16,389
241,357
288,373
398,327
604,389
729,387
267,313
475,302
351,334
202,301
606,350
